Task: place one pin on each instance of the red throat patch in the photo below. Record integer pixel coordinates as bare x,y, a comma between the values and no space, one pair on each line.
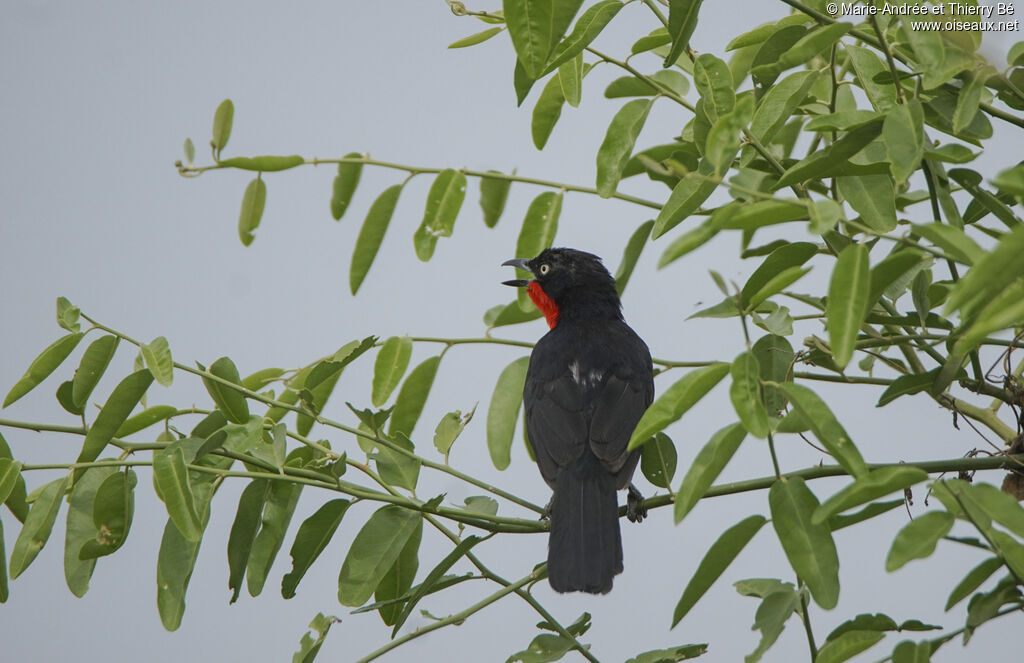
546,305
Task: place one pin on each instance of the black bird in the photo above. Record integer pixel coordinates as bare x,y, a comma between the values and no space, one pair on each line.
590,380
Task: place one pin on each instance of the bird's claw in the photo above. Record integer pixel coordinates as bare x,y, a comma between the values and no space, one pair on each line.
635,509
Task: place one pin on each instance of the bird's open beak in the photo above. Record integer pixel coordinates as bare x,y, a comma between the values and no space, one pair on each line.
520,263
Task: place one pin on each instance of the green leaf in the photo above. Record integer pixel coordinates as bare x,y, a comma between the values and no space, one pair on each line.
848,301
953,241
973,580
676,400
950,153
775,610
537,233
697,237
999,506
836,523
345,183
1011,180
843,120
10,472
869,67
313,536
774,356
449,429
833,160
396,468
873,197
474,39
682,19
174,565
443,204
618,144
308,647
911,652
848,645
412,396
825,216
374,551
1004,311
266,163
631,86
713,80
398,580
38,525
253,201
530,25
759,34
875,484
570,78
277,514
91,367
918,538
170,474
222,120
670,655
892,275
113,509
989,276
16,498
658,460
433,578
493,195
808,46
745,394
229,401
157,355
904,385
392,360
243,532
968,99
67,315
706,467
775,272
777,105
503,411
825,427
808,546
371,235
903,134
81,528
723,138
589,25
145,419
190,151
688,195
115,411
546,112
715,562
41,367
631,255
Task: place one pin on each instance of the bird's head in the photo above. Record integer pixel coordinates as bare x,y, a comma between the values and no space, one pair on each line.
567,282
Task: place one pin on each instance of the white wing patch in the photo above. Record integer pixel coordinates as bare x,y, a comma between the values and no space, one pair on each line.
590,379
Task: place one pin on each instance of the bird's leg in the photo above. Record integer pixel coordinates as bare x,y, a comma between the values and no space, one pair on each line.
635,509
546,515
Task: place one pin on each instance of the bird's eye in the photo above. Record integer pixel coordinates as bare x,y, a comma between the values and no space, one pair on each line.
544,269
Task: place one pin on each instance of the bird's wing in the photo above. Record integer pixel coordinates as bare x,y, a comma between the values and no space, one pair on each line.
555,422
619,403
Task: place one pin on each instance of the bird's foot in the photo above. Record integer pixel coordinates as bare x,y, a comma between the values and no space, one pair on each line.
546,515
635,509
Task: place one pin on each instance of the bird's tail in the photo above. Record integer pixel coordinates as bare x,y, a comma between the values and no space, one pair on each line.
585,546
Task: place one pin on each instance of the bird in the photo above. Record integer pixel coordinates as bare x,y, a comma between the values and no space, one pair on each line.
590,379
